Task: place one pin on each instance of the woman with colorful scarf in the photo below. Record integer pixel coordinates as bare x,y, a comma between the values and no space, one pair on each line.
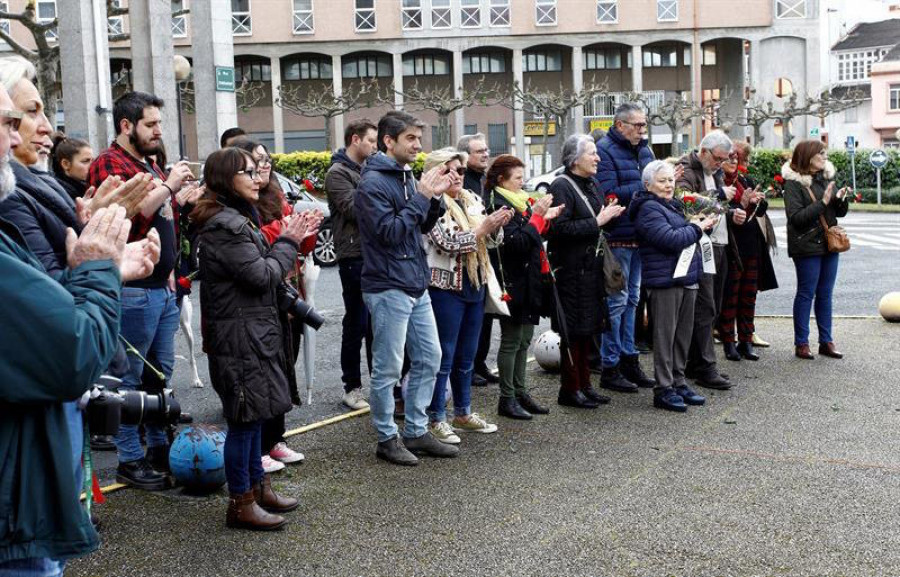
520,263
457,251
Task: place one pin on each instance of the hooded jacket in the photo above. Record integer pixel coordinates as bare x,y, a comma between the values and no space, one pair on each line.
805,235
341,182
56,336
392,217
619,173
663,233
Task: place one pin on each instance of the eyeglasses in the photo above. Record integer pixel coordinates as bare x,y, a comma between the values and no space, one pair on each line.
264,161
481,151
637,125
252,173
720,159
14,117
460,170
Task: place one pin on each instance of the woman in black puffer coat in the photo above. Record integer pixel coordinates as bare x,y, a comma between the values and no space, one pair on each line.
578,264
239,295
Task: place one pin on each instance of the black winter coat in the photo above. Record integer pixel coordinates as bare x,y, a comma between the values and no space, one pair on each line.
242,335
520,258
805,234
664,233
578,266
341,182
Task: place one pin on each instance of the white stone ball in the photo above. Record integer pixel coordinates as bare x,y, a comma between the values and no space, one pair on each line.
546,351
889,307
182,68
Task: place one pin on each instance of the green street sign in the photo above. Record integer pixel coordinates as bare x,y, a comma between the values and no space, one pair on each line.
815,132
224,79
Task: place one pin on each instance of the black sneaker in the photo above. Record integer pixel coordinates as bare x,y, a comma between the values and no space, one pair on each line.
630,367
394,452
103,443
140,475
428,445
612,380
488,375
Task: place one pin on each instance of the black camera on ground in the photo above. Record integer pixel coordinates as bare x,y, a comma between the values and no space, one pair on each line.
107,408
289,301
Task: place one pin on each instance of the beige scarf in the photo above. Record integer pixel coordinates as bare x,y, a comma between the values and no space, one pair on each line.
478,265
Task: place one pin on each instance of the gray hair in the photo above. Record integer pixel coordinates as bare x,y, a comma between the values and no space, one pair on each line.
625,110
574,147
443,156
462,144
716,140
654,168
12,70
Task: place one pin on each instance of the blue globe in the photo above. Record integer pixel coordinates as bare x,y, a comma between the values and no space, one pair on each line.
197,458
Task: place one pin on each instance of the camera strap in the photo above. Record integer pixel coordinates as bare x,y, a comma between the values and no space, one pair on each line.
87,467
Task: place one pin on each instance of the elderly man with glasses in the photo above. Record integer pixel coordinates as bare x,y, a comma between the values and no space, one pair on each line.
703,174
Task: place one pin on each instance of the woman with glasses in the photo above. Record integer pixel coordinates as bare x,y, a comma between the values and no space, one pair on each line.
242,333
273,209
457,253
809,198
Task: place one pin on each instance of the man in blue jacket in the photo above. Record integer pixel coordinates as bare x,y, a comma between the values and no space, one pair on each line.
624,153
393,212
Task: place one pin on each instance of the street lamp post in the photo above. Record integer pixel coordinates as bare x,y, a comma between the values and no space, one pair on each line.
182,73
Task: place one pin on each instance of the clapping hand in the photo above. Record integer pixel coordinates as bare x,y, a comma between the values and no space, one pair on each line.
128,195
705,222
140,257
103,238
493,221
190,194
609,212
829,193
314,219
434,183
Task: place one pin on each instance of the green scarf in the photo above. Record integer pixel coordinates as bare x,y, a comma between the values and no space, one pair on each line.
518,200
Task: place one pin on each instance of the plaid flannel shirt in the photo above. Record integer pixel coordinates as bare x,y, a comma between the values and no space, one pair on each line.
116,161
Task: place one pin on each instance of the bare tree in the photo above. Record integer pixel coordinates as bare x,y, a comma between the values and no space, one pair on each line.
323,103
757,113
676,113
441,100
552,105
247,94
44,57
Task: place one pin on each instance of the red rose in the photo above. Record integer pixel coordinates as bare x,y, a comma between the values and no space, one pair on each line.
308,185
779,179
742,169
688,199
184,282
611,198
530,201
505,297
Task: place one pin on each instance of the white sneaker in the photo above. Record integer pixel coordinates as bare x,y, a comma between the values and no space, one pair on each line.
443,433
281,452
474,424
270,465
355,400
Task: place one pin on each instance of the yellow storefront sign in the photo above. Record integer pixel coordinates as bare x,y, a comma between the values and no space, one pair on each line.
536,128
602,123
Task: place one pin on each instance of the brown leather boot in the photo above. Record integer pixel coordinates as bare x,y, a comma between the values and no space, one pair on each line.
828,350
269,500
803,352
244,513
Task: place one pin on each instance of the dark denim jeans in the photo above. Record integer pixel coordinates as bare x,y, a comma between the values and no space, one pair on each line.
243,456
356,324
149,322
618,340
459,326
32,567
816,276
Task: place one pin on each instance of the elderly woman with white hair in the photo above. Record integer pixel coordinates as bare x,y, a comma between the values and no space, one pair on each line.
671,274
577,261
457,253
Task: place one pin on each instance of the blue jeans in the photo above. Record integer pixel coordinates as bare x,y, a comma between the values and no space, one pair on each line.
32,567
75,424
398,321
458,326
243,456
149,322
815,279
618,340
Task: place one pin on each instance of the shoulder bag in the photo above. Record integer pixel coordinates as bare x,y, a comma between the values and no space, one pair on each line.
835,236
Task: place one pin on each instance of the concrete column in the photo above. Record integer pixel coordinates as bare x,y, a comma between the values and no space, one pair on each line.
337,82
85,72
212,46
696,89
518,113
459,117
277,112
152,60
731,52
755,75
637,69
398,81
577,86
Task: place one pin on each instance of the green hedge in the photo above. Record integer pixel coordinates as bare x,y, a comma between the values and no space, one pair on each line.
312,166
888,195
766,163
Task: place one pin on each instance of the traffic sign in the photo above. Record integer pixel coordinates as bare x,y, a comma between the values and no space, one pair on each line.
815,132
878,159
225,79
851,145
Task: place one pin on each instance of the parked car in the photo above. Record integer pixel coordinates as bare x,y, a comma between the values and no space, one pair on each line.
300,199
542,182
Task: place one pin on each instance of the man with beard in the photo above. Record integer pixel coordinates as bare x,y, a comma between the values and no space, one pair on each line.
149,311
